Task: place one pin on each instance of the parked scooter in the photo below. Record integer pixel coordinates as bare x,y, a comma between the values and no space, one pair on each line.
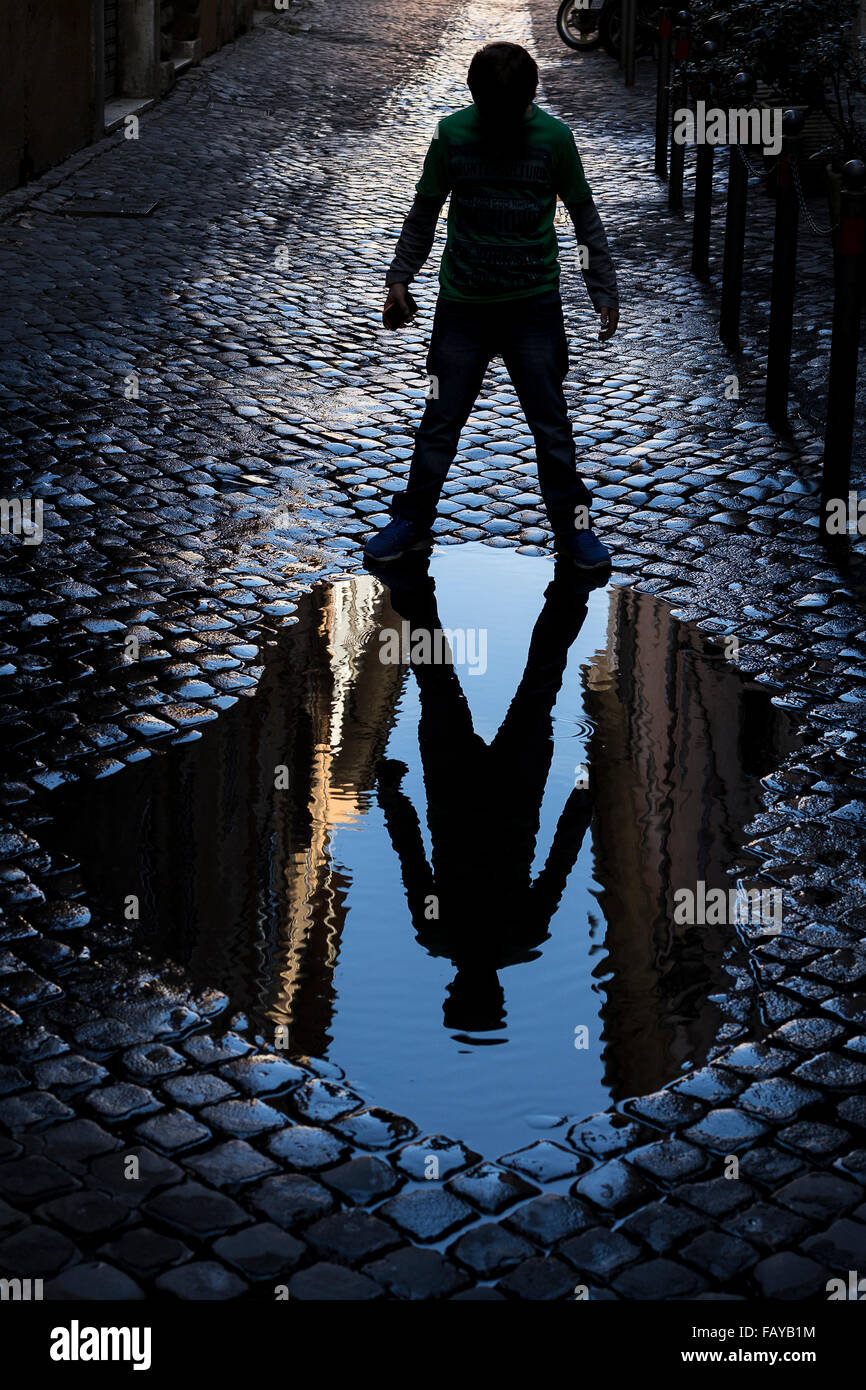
587,25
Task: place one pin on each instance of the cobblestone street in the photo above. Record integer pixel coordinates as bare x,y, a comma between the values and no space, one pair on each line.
213,418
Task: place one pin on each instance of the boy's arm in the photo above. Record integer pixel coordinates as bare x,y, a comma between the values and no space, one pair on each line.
599,275
419,228
416,239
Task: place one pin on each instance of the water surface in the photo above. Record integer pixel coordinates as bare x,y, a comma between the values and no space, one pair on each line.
443,876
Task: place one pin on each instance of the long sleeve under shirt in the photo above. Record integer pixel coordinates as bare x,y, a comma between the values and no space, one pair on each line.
501,241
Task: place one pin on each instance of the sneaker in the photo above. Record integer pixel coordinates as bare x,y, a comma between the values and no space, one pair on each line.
395,539
585,550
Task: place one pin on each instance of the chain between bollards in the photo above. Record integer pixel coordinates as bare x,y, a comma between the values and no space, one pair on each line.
844,348
784,275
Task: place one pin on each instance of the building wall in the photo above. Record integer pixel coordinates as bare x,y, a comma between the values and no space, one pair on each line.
50,83
138,33
221,20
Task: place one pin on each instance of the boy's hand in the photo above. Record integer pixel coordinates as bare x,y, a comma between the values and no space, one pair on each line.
400,308
609,316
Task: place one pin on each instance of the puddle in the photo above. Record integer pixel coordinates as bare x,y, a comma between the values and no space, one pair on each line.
405,866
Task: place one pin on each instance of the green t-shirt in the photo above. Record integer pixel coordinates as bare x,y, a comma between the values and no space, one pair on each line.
501,240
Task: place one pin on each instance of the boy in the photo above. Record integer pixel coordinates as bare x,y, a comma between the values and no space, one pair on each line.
504,161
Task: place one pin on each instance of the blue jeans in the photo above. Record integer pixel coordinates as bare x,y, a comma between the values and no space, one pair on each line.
529,335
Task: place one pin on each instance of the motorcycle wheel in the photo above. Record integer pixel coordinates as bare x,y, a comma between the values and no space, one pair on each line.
579,26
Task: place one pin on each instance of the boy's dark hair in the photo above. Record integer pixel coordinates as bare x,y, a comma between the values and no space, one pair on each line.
503,79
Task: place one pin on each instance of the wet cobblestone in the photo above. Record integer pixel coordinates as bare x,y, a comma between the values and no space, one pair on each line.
271,423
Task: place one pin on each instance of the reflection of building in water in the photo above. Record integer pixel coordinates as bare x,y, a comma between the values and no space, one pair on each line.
679,743
349,700
233,868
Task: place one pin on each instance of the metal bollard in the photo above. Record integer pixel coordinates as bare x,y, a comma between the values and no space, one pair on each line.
663,97
703,189
839,433
784,274
628,21
681,87
735,235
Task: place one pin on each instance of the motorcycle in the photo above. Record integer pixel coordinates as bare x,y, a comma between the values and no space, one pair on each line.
595,23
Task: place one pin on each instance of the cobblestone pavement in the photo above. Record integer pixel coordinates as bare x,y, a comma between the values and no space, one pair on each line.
271,422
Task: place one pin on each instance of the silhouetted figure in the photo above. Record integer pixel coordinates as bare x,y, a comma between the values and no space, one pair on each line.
477,903
502,164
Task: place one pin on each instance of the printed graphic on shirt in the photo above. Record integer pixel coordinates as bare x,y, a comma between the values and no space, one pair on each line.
501,240
501,208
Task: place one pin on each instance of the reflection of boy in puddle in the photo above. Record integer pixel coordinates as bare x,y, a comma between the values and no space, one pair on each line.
477,903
